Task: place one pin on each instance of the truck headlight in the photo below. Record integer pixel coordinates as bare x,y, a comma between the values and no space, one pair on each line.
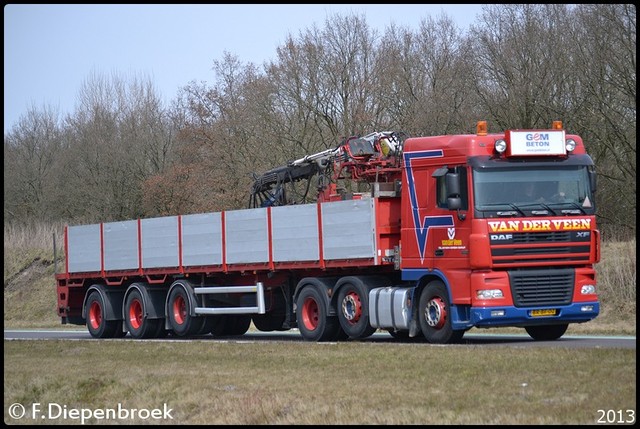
588,290
489,294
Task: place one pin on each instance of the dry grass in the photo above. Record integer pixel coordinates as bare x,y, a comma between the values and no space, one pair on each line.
322,383
617,275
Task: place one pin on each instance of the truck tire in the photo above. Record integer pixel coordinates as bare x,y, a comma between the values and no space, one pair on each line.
161,332
434,313
224,325
120,332
218,323
353,310
97,325
135,320
237,324
179,313
269,322
276,316
340,334
546,332
313,318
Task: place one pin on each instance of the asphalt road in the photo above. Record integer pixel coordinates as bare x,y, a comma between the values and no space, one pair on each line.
509,340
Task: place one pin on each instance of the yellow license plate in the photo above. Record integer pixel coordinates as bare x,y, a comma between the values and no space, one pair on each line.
544,312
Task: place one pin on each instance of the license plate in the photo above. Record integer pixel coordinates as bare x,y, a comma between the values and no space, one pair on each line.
544,312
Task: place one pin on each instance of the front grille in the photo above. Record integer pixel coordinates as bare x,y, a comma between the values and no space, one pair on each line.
537,237
560,247
546,287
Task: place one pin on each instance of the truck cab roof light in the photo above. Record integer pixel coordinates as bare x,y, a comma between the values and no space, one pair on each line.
500,146
481,128
570,145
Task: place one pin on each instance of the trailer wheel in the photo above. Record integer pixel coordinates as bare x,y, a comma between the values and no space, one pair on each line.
340,334
237,324
269,322
224,325
207,325
435,315
313,318
135,320
97,325
120,333
161,332
179,313
546,332
353,311
218,323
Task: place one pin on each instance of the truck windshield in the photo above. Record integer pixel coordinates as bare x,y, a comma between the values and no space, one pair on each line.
554,189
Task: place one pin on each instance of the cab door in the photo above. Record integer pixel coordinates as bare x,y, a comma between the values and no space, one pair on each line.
449,241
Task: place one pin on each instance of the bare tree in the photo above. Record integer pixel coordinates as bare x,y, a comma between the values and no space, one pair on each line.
31,152
117,137
325,81
604,39
521,57
224,124
537,63
425,78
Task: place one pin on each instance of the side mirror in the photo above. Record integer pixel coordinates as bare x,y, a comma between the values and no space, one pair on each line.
454,200
592,180
452,181
454,203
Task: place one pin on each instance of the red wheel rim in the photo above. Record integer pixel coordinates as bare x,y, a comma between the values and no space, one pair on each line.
95,315
310,314
436,312
352,308
135,314
179,310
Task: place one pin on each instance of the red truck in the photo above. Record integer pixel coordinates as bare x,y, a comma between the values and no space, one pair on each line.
423,237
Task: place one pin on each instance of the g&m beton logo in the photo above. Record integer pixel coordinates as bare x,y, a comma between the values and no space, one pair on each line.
537,143
538,140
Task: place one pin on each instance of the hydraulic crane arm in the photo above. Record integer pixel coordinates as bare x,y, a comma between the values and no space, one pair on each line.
366,158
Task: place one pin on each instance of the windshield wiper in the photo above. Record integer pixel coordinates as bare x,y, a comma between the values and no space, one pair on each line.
577,210
546,207
514,212
547,210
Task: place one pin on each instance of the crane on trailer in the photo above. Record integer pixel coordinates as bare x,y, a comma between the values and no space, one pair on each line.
368,158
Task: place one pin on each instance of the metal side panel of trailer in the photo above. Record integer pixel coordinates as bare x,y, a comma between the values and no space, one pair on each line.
246,236
84,249
349,229
332,231
159,247
294,233
120,245
202,239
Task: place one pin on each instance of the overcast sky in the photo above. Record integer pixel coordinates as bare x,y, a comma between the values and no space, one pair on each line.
50,50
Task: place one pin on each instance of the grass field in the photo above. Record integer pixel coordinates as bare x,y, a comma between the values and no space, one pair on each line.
320,383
